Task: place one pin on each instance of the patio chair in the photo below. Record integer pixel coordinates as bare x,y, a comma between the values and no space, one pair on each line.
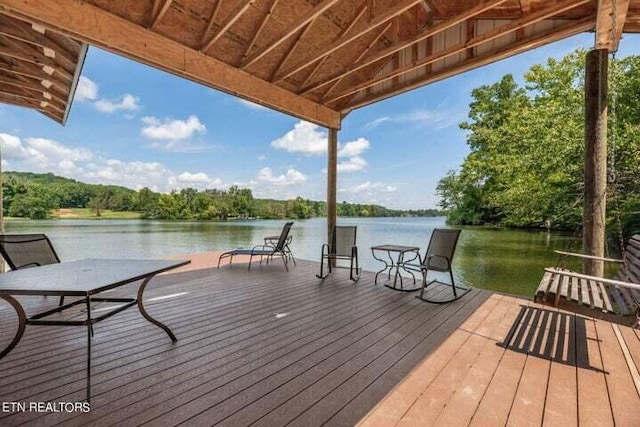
342,247
262,251
439,258
273,242
27,251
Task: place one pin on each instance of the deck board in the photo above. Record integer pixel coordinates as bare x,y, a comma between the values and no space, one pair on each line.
252,345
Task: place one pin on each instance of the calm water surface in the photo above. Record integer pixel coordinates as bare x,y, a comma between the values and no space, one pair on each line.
504,260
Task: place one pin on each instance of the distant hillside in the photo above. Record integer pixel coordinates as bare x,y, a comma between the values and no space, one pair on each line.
32,195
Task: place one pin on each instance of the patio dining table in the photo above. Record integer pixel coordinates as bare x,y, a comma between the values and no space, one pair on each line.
84,278
405,254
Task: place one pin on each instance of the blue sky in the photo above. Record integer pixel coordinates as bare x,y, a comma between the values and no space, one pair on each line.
135,126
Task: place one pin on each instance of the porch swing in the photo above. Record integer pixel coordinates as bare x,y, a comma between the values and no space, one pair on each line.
617,299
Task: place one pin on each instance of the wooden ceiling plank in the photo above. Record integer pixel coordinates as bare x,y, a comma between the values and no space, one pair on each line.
19,30
549,36
461,47
427,33
304,20
95,26
36,95
362,10
231,19
292,49
360,56
258,32
27,53
159,14
385,17
610,20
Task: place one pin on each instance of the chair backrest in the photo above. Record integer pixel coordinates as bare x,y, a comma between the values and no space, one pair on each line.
284,235
442,245
343,240
27,250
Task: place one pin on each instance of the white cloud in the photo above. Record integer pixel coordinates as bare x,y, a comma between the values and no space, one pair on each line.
305,138
87,90
352,164
353,148
369,187
126,102
172,130
439,118
252,105
42,155
292,177
262,157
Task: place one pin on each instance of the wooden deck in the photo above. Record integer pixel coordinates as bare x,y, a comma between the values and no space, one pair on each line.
261,346
517,363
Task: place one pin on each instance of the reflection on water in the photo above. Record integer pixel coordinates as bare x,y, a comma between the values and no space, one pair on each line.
504,260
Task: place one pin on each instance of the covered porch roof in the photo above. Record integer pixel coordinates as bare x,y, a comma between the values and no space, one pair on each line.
313,59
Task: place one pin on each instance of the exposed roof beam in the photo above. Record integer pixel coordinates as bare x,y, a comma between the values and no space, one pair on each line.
356,18
159,12
475,41
231,19
42,102
304,20
212,20
32,94
31,71
256,35
429,32
610,21
287,55
27,53
525,6
95,26
362,54
388,14
30,85
549,36
21,31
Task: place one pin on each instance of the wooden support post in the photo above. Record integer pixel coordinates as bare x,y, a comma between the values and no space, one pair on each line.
595,159
332,181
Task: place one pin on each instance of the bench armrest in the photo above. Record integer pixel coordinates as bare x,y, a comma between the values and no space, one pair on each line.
599,279
588,256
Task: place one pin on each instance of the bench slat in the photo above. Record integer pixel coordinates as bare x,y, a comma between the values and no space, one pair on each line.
575,289
615,293
584,290
595,294
605,297
564,286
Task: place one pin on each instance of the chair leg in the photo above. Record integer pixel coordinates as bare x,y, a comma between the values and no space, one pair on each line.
454,288
61,302
322,258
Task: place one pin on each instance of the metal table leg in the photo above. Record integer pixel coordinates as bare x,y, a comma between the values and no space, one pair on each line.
147,316
22,322
386,266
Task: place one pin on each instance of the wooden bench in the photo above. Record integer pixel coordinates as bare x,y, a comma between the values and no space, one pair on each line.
598,297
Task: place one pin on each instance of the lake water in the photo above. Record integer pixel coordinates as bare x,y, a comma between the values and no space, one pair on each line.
509,261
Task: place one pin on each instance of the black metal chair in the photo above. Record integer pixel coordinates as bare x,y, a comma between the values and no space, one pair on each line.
262,251
439,258
273,242
27,251
342,247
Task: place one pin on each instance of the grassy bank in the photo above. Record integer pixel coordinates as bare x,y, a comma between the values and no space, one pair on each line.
86,213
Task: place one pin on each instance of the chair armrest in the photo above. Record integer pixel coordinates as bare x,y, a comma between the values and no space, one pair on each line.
599,279
588,256
258,248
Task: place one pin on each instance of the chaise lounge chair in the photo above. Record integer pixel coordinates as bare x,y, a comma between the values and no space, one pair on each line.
262,251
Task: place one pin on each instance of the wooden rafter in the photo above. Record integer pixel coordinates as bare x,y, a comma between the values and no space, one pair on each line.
532,42
160,9
27,53
94,25
304,20
18,30
26,97
360,56
31,71
354,20
381,19
32,94
461,47
211,21
29,85
427,33
610,20
258,32
292,49
525,6
231,19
